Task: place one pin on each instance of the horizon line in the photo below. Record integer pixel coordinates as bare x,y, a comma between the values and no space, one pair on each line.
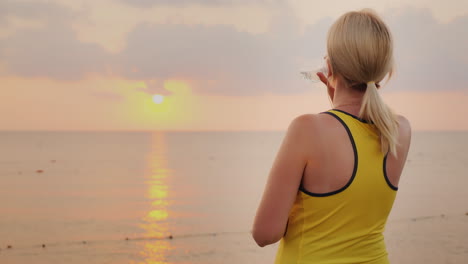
197,130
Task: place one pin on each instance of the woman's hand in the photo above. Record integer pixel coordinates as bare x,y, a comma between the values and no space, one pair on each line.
330,88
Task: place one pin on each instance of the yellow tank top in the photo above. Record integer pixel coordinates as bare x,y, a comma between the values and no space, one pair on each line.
346,225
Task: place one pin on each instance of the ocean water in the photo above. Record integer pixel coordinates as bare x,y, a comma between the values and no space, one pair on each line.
190,197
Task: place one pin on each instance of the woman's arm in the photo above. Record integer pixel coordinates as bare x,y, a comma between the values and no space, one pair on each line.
283,183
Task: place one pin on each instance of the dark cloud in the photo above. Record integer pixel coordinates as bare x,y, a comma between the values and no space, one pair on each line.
221,60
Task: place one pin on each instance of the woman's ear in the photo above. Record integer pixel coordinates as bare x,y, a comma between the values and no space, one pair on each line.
330,70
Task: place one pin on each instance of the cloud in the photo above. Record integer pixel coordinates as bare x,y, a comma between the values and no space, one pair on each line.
108,96
179,3
230,59
35,10
222,60
429,55
52,50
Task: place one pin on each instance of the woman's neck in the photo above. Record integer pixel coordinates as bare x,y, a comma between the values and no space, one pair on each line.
346,98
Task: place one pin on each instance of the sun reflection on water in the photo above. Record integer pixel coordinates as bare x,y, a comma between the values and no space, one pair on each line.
155,221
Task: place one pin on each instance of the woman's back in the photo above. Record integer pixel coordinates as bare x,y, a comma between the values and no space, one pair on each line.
331,157
345,196
335,177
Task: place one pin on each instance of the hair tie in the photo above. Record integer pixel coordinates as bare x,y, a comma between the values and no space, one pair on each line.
371,82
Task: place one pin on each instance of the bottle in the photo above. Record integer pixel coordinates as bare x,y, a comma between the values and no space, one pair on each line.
312,75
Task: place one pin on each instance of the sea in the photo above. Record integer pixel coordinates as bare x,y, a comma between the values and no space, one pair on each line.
190,197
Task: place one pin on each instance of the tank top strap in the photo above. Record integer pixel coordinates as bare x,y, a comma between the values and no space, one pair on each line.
344,226
370,162
354,123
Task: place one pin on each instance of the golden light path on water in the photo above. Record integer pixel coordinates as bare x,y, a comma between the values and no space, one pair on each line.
155,221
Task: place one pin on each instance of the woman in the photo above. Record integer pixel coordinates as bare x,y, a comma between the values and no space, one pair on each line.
335,177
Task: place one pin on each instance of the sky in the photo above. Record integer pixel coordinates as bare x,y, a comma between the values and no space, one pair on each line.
93,65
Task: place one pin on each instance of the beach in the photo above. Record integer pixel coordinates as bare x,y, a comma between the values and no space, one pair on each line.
190,197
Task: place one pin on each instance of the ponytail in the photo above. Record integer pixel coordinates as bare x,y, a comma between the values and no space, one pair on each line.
374,109
360,49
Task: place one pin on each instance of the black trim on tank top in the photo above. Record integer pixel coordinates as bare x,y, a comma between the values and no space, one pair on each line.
286,229
393,187
353,116
301,188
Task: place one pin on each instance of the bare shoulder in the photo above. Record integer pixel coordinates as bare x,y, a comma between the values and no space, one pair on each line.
301,128
304,123
404,135
403,121
304,119
404,126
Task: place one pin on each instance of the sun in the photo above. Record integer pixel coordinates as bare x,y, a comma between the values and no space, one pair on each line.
157,98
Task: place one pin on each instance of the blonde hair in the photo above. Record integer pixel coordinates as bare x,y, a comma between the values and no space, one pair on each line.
360,50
